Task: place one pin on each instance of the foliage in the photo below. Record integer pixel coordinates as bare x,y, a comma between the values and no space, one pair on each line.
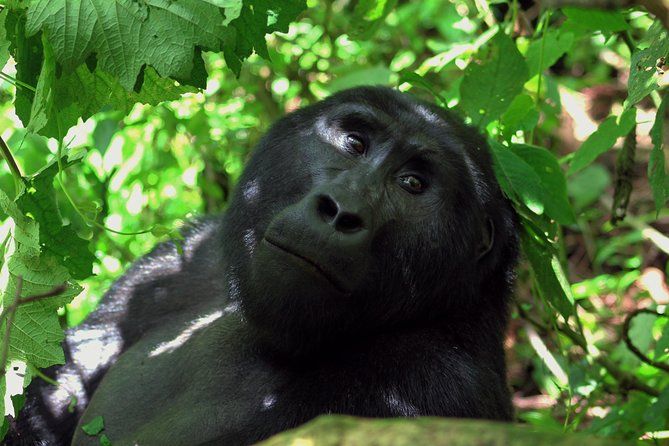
124,117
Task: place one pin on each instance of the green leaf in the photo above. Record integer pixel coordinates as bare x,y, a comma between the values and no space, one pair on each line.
522,114
597,19
416,80
547,49
585,187
368,16
517,178
27,53
125,35
39,200
657,174
42,105
602,139
644,73
552,180
641,330
95,426
4,44
103,90
548,275
257,18
662,346
36,334
490,84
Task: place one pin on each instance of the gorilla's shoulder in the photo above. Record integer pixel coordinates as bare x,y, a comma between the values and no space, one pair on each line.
167,280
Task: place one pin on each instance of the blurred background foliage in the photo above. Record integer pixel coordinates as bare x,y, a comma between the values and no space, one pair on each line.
158,166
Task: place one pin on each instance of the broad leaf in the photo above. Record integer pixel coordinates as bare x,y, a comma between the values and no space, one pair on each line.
547,49
548,275
643,67
517,178
490,84
4,43
602,139
257,18
36,334
39,200
552,179
125,35
521,115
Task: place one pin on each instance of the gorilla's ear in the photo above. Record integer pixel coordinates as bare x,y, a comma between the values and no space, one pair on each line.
487,238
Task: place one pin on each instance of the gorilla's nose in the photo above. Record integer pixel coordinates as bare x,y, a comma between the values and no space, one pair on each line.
335,213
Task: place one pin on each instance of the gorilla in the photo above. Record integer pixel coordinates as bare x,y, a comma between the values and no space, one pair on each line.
363,267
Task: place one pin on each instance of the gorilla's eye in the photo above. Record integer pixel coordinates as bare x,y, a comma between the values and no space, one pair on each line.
412,184
355,144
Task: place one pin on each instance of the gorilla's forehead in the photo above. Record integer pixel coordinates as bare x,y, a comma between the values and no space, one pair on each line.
416,124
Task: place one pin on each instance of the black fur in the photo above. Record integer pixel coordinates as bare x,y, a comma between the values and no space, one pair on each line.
327,287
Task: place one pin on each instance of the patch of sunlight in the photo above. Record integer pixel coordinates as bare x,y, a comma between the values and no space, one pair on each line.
303,442
78,135
251,190
546,356
93,348
114,154
168,191
16,373
189,176
128,166
111,264
115,222
268,402
575,104
136,200
186,334
657,435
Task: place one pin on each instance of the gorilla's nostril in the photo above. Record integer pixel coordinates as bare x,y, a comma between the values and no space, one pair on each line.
327,208
348,223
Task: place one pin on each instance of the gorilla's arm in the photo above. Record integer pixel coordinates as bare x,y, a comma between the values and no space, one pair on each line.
156,287
249,397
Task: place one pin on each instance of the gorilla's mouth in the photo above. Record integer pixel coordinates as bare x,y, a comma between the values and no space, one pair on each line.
324,273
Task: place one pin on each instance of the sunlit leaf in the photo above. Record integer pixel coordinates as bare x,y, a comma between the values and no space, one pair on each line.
491,82
602,139
517,178
552,179
644,72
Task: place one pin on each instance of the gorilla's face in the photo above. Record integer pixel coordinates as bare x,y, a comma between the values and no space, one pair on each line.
367,209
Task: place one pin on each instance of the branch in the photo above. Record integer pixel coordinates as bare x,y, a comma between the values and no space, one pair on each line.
639,354
11,162
51,293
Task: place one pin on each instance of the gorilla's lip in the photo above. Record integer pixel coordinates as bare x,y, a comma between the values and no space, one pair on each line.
332,280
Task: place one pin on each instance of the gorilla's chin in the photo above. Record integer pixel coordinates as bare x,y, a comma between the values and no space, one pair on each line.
287,297
280,254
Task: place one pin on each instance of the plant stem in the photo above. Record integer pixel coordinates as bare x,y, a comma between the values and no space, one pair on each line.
544,26
16,82
11,162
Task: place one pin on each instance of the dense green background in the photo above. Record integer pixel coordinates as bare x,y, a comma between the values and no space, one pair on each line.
573,101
